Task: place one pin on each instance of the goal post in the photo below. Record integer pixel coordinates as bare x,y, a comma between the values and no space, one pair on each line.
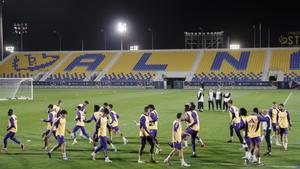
16,88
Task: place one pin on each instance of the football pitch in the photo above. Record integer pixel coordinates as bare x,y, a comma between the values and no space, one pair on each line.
129,103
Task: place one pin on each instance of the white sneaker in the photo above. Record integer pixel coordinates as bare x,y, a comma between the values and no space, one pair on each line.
91,140
141,162
65,158
107,160
184,164
93,156
278,144
125,141
74,142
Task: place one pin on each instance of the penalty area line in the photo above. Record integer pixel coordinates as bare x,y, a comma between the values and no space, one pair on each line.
287,99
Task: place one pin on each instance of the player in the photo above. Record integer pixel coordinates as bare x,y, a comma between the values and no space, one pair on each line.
211,97
235,123
267,129
243,116
192,127
219,100
114,123
60,125
145,136
80,118
153,126
83,107
95,117
200,98
101,130
226,97
176,139
56,114
57,109
12,130
284,124
50,122
273,115
253,131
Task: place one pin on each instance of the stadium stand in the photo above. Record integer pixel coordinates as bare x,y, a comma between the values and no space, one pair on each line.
288,62
23,65
220,65
230,66
80,65
140,66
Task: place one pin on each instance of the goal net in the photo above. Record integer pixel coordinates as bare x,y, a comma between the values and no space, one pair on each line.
16,88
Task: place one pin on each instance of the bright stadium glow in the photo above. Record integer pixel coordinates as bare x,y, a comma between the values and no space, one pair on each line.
122,27
10,49
134,47
234,46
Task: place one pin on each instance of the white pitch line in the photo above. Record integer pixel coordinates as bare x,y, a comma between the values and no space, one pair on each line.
287,99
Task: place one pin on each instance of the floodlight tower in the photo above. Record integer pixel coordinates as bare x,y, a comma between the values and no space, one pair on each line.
20,29
1,29
122,28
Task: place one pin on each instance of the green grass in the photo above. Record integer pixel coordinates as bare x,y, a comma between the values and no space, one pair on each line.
129,104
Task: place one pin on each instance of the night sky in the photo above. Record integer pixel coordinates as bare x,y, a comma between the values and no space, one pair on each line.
78,20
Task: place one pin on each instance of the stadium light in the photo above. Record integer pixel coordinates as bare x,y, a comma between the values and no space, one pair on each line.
122,29
20,29
134,47
234,46
10,49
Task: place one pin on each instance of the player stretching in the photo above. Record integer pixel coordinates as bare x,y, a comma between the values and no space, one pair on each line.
114,123
80,118
153,126
253,131
235,121
284,124
145,136
60,125
273,114
192,128
49,121
101,129
12,130
176,139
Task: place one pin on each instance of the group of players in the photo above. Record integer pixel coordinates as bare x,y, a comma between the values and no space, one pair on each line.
276,118
247,128
107,123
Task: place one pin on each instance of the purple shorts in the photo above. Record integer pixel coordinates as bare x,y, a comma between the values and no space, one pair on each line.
153,133
255,140
60,139
274,127
248,141
177,145
236,126
190,131
283,131
144,140
115,129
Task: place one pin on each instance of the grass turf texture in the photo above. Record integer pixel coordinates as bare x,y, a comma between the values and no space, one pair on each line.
129,104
